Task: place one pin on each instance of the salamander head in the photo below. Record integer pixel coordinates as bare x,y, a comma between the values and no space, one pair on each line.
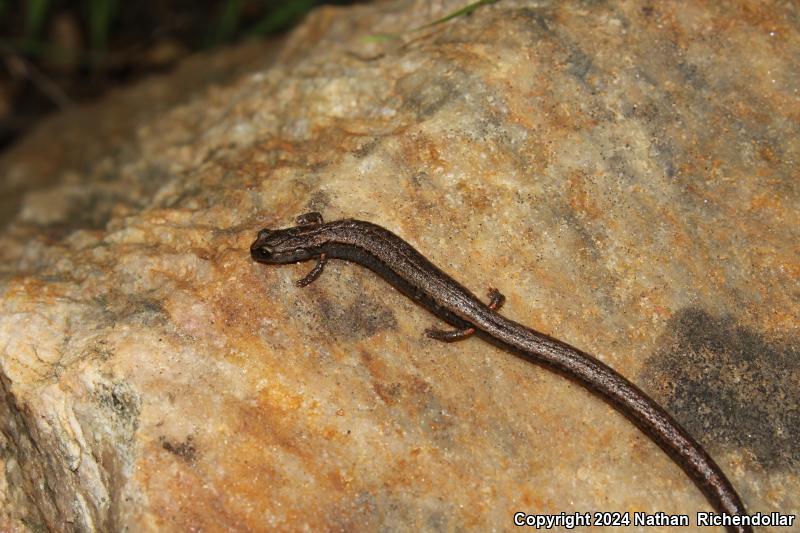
288,245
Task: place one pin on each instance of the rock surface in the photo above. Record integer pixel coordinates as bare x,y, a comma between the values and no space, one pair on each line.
625,173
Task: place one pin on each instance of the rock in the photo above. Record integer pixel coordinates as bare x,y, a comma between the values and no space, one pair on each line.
624,173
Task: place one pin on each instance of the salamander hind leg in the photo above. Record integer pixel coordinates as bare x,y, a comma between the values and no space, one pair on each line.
450,335
496,301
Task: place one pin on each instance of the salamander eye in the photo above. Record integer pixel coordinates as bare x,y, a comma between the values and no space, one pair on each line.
259,249
261,253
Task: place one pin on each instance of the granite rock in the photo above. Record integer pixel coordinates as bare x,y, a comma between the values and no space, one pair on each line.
624,172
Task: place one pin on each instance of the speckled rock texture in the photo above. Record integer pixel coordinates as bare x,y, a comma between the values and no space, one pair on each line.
626,173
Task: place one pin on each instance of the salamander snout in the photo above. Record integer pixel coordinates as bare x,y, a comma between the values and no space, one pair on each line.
260,249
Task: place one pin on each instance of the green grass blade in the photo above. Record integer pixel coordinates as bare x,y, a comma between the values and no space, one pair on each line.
282,16
466,10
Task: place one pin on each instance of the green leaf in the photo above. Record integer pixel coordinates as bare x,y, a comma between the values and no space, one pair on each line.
228,21
100,15
35,14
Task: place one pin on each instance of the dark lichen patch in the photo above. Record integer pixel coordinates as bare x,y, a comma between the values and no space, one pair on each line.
420,180
319,201
361,318
366,148
122,402
145,310
92,208
439,521
389,393
579,64
185,450
150,312
692,75
539,21
425,98
100,350
730,385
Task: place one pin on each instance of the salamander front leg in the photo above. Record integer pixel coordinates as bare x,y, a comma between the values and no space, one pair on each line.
496,301
315,272
311,219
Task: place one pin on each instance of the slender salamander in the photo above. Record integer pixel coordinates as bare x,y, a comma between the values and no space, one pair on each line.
405,268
